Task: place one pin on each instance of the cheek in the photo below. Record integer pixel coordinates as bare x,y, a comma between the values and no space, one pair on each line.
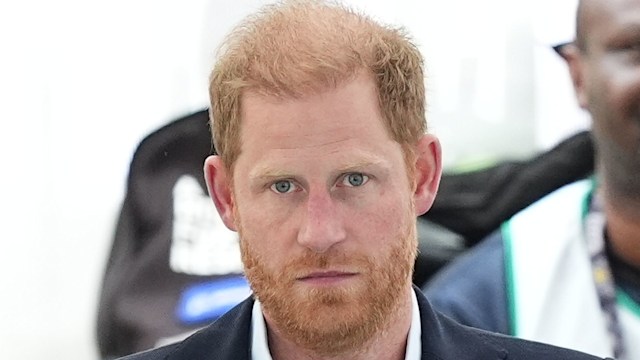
616,89
383,220
267,227
617,112
625,92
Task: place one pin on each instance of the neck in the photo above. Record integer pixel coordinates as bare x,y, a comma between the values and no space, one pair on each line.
389,343
623,227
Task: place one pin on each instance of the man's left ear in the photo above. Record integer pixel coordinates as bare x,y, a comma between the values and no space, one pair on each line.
428,170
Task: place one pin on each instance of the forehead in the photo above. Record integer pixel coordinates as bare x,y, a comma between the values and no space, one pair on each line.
604,16
349,110
336,125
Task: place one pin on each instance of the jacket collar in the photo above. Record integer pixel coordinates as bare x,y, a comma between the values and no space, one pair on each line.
442,338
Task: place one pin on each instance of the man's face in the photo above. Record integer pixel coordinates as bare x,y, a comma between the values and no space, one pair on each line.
324,208
611,89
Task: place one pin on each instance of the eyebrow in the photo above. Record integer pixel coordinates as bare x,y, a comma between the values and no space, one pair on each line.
266,172
363,165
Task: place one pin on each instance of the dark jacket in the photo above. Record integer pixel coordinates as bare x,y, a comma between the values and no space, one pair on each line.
229,338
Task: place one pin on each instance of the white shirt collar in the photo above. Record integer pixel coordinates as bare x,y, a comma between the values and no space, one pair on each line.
414,340
260,346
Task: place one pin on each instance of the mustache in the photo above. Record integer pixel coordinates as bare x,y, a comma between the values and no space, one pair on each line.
310,262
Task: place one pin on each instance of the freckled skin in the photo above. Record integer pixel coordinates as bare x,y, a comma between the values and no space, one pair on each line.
320,186
310,141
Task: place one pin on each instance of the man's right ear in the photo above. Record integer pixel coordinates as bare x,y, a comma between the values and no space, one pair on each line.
575,60
220,189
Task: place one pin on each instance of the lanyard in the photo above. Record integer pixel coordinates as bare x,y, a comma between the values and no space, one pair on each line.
602,275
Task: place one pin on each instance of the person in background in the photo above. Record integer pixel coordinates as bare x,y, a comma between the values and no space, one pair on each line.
566,270
324,162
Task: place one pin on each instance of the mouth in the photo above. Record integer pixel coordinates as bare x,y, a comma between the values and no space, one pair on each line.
327,277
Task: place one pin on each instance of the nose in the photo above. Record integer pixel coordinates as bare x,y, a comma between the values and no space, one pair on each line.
322,226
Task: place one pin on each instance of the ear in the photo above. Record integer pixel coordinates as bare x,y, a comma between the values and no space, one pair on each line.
220,189
576,62
428,170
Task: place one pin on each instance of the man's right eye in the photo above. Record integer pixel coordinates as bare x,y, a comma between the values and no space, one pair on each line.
283,187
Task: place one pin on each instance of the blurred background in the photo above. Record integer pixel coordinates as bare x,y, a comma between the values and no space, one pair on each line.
82,82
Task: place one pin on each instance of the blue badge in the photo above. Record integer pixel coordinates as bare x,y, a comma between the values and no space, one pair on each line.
208,301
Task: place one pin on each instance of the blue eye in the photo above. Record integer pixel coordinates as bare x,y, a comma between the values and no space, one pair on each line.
283,187
355,179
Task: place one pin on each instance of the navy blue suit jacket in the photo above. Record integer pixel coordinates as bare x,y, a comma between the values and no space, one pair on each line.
229,338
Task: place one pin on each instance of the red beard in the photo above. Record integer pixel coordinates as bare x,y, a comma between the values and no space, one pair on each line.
333,320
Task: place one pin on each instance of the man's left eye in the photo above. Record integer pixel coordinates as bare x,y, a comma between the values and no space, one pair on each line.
355,179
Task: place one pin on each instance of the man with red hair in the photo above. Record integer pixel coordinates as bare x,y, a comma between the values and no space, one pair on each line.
323,163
